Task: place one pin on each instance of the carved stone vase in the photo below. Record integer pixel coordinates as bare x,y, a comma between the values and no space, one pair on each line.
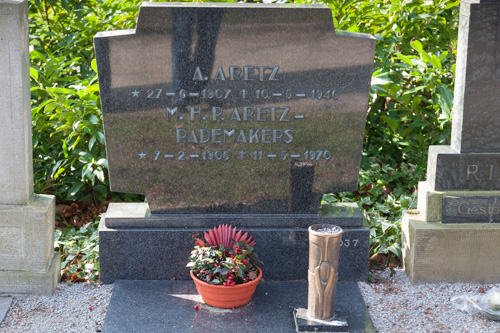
324,250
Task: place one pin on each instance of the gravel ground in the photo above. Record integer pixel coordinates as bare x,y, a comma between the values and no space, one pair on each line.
397,306
394,305
79,308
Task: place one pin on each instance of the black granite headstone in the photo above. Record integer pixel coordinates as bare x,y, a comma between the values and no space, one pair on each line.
231,113
233,108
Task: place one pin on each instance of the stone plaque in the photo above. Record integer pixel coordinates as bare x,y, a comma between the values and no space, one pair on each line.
448,170
233,108
476,209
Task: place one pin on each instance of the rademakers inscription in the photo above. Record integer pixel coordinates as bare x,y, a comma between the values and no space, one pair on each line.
477,209
233,108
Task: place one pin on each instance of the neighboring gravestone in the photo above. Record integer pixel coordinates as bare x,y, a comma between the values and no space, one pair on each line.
243,114
463,180
28,263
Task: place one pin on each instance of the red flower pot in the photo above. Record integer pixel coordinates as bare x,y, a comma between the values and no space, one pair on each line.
224,296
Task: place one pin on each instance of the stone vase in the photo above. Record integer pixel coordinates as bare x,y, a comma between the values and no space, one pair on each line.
324,250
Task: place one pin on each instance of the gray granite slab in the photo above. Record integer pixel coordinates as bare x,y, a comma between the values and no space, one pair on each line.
234,108
161,253
448,170
137,215
471,209
5,303
168,306
476,120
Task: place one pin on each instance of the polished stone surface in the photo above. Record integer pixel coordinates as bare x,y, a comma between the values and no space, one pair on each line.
161,253
168,306
467,209
137,215
233,108
448,170
476,120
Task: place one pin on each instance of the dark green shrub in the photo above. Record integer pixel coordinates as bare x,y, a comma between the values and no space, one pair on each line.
68,139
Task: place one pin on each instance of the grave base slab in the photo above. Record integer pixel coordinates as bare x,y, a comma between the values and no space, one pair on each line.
437,252
168,306
135,246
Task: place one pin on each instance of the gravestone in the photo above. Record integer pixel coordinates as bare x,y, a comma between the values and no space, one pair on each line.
241,114
456,235
28,263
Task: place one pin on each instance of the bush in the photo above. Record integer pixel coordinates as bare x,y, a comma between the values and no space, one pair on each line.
68,140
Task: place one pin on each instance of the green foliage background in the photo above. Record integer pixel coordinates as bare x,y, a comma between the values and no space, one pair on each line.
410,107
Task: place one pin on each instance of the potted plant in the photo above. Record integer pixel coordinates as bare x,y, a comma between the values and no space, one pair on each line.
224,267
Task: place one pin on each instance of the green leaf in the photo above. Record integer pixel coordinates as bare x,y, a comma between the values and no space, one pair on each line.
92,88
92,141
93,64
103,162
57,90
393,123
72,193
367,201
34,54
413,90
33,73
436,62
418,46
445,101
395,249
386,226
406,59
